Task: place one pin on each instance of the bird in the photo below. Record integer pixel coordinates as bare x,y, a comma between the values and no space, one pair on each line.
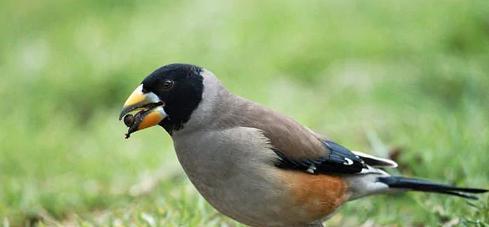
253,164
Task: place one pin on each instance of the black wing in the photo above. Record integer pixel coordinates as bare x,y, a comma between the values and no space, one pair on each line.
338,160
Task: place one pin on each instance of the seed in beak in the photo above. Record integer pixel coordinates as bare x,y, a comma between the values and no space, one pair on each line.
129,120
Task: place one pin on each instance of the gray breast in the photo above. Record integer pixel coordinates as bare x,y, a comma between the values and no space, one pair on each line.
231,169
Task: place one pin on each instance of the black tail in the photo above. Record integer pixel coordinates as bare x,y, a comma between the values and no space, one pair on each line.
427,186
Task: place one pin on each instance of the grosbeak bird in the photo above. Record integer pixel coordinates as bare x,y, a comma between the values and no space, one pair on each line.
253,164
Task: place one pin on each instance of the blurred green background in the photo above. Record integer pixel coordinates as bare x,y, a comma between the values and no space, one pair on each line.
405,78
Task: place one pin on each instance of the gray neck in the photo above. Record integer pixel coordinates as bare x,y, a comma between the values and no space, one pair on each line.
206,112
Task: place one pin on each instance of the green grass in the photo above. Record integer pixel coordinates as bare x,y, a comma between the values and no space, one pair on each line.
372,75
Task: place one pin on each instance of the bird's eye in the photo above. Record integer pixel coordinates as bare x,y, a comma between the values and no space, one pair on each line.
168,84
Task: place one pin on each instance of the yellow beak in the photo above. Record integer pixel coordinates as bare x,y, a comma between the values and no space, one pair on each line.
142,110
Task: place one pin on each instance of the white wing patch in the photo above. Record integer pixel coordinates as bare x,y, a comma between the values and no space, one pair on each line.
376,161
348,162
311,169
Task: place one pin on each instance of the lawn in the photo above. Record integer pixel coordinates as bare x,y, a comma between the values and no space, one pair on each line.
408,79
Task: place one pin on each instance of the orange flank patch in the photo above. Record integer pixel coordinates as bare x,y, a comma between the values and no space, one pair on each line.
315,196
151,119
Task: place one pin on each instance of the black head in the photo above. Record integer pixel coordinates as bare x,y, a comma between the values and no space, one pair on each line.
179,87
167,97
